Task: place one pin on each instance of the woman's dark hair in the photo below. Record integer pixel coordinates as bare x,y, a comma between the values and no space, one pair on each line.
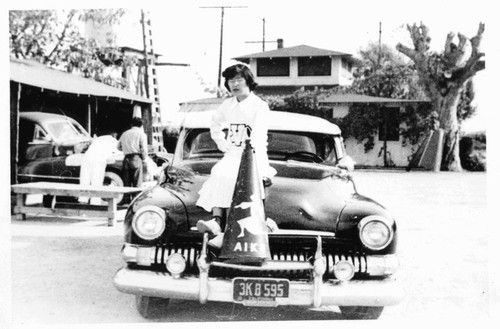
243,71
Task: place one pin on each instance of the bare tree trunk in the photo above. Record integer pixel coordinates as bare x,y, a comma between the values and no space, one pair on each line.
449,122
443,77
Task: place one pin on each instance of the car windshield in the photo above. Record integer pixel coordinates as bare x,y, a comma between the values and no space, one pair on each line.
281,145
66,130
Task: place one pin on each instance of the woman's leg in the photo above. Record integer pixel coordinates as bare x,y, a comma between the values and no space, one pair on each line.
215,224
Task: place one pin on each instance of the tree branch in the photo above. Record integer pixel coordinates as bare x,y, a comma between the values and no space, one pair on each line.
474,63
63,34
449,42
476,40
411,53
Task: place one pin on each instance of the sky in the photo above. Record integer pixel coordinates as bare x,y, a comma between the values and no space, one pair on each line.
184,32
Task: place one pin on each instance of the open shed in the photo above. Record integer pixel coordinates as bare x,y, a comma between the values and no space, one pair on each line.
100,108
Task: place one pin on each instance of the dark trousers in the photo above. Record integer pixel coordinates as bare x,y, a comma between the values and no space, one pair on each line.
132,170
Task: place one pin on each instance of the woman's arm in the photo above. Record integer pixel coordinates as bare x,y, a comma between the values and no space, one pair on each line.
216,129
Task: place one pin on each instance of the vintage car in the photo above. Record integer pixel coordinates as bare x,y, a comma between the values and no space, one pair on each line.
47,140
333,246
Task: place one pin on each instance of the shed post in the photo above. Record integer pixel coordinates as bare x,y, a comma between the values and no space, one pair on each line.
15,100
88,119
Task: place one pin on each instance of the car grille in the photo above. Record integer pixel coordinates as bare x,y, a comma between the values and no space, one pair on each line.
285,249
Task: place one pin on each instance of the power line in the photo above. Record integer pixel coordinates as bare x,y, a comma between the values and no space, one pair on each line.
221,38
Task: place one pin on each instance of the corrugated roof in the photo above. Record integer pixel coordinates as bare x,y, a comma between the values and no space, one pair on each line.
296,51
355,98
36,74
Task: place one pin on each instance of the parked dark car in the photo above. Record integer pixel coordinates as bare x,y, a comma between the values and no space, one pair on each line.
334,246
46,140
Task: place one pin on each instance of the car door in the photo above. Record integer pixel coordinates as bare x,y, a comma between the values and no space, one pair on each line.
35,152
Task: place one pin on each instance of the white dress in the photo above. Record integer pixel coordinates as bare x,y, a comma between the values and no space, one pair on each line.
218,190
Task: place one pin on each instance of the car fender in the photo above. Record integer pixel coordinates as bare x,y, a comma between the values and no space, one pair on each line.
354,211
166,199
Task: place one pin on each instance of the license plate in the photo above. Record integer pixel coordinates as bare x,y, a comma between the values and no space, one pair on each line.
259,291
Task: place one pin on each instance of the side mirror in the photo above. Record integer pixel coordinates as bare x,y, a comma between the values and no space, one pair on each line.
346,163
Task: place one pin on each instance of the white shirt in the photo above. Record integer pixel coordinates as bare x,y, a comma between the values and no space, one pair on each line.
134,141
253,112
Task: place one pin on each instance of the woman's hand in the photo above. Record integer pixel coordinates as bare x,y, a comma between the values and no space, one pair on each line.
223,145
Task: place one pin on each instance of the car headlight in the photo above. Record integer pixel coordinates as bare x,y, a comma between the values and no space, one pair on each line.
149,222
176,264
344,270
375,232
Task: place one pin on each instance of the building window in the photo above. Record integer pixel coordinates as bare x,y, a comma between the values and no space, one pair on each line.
346,65
389,125
273,67
315,66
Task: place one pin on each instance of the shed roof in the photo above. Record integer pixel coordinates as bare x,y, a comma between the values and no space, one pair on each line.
295,51
36,74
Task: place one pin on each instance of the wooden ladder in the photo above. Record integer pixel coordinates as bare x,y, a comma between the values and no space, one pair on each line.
151,79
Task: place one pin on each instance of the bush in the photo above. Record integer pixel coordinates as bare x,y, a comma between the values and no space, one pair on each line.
473,151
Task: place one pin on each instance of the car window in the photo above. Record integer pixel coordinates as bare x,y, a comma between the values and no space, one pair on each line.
281,144
199,144
40,135
290,143
202,144
79,129
64,130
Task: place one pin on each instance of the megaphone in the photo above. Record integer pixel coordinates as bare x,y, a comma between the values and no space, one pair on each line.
245,238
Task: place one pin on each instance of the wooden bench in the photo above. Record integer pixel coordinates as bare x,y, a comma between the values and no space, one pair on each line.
106,193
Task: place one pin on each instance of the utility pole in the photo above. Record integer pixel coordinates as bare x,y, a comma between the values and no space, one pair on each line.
379,43
263,36
384,116
146,56
221,38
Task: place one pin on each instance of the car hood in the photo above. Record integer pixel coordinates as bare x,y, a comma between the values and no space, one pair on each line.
302,196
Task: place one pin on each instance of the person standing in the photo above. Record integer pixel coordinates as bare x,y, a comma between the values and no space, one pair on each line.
133,143
94,161
244,115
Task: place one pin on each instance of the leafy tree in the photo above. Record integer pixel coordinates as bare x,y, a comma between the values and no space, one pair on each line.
301,101
384,74
375,56
444,77
53,38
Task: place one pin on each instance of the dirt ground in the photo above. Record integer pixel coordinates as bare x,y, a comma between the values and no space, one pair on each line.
62,268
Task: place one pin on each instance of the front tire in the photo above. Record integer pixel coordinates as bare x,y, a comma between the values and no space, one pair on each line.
361,312
151,307
113,179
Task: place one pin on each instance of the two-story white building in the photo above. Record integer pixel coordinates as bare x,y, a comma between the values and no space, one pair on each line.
284,70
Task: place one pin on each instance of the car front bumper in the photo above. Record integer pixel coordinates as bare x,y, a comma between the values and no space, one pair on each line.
333,292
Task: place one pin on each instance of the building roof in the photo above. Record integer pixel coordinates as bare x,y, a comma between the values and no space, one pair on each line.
355,98
36,74
198,114
296,51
